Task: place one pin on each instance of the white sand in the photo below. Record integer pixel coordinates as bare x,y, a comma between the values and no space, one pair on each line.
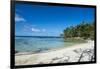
67,54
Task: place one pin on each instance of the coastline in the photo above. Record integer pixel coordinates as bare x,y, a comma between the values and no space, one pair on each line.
60,55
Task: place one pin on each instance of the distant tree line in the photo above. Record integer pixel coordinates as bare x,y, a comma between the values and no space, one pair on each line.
83,30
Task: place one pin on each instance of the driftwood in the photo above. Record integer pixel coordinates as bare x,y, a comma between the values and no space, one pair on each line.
87,52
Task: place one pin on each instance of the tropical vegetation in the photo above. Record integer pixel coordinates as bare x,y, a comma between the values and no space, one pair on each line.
83,30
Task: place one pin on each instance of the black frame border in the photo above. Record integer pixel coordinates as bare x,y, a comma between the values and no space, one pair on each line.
12,32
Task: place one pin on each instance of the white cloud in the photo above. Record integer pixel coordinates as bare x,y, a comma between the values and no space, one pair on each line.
35,30
19,18
38,30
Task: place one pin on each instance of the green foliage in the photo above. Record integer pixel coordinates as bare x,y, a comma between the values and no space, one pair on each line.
83,30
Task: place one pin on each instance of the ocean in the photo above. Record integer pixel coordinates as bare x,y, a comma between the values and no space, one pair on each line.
36,44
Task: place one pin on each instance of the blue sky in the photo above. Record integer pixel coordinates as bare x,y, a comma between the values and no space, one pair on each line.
36,20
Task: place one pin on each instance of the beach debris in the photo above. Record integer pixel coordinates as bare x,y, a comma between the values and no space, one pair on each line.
86,54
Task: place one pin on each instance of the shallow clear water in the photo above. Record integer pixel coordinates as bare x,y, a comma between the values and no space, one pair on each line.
32,44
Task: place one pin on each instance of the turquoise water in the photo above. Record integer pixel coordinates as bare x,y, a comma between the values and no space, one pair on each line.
33,44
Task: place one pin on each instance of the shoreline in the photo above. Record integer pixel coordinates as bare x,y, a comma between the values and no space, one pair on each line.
45,51
59,55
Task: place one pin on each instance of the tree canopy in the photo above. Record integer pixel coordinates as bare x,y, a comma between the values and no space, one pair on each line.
83,30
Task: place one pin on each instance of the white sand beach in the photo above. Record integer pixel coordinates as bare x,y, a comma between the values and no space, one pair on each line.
76,53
